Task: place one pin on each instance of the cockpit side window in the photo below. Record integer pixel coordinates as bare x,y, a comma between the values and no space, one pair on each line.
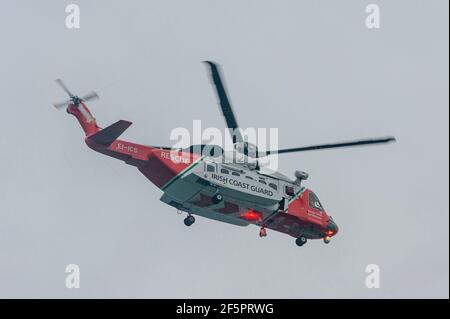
314,202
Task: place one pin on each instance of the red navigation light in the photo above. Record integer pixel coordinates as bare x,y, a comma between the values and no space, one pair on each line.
252,216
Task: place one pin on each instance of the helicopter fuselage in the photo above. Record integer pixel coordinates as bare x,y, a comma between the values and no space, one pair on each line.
191,182
205,183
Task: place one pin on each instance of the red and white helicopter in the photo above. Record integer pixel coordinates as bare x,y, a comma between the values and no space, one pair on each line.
197,180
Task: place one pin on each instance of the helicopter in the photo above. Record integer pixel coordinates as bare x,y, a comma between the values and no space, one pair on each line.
205,180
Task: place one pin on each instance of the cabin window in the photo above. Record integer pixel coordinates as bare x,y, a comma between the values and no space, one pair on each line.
224,171
262,182
314,202
273,186
289,190
210,168
249,177
235,174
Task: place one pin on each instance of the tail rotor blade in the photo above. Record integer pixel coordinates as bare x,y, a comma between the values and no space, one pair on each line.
90,96
60,105
64,87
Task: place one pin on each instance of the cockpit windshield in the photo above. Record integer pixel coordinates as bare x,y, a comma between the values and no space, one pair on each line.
314,202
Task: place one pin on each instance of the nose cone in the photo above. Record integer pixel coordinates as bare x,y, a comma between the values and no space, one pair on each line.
332,227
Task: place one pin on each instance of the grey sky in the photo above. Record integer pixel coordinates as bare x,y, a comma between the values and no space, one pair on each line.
310,68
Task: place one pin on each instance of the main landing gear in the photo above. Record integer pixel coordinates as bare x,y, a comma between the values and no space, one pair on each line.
189,220
301,241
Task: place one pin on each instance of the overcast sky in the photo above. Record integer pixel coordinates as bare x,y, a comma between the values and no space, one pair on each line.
310,68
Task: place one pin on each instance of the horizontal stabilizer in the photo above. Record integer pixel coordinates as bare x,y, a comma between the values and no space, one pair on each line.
111,133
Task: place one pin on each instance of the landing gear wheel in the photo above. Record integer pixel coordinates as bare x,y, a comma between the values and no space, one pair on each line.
327,239
216,199
189,220
301,241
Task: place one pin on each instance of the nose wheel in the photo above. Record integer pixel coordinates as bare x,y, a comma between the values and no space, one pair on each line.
327,239
189,220
301,241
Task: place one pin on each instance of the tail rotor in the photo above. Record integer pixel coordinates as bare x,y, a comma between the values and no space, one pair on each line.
73,99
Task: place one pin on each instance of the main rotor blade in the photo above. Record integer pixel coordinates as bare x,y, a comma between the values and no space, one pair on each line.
64,87
90,96
61,104
225,104
334,145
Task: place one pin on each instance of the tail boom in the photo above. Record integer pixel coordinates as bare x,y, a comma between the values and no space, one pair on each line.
84,117
159,165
